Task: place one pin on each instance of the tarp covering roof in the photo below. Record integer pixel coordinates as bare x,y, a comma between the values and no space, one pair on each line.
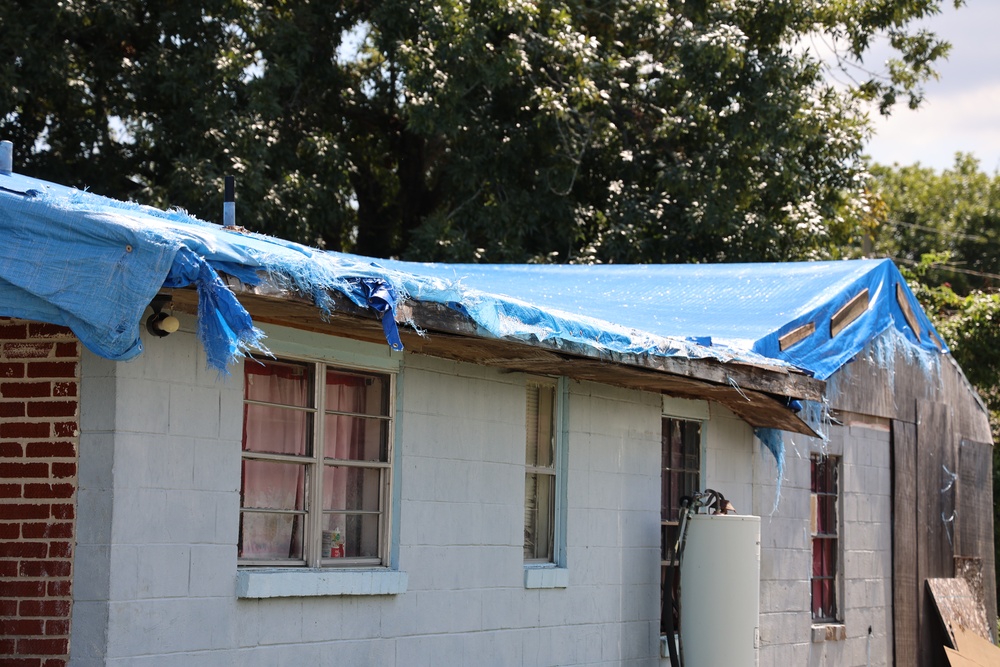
94,264
738,307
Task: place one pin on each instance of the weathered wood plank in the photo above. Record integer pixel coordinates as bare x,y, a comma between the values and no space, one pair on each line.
905,586
957,607
936,456
796,335
734,388
936,476
904,305
974,537
849,312
864,388
270,304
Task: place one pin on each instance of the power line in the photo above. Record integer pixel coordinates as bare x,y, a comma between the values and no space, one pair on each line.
942,266
970,237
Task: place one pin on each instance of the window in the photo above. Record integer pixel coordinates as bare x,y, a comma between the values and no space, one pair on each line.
823,521
680,450
317,447
540,474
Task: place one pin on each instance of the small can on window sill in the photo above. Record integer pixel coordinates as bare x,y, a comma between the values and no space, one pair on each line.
333,543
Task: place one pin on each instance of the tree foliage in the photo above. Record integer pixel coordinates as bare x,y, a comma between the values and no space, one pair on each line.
944,227
953,215
470,130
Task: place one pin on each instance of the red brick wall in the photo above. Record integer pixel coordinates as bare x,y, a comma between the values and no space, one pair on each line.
39,435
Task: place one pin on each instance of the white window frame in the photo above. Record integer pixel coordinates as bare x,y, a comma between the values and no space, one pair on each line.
316,465
389,579
837,461
689,410
552,572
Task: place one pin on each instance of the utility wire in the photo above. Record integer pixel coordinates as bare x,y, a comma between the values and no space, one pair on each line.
941,266
971,237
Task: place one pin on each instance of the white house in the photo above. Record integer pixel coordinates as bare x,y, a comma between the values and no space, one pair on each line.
463,465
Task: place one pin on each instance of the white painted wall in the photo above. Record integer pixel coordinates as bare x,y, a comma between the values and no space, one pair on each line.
159,477
866,566
158,515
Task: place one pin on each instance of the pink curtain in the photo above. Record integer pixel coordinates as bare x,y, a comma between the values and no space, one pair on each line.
286,430
274,485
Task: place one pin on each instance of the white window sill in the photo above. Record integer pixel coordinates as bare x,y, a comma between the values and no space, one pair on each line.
828,632
545,576
278,583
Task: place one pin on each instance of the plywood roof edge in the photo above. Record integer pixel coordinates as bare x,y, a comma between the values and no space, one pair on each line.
434,317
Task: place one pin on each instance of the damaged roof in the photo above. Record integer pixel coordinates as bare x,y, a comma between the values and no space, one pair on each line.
94,264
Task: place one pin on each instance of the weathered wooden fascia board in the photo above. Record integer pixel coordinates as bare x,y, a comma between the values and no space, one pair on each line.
458,337
768,379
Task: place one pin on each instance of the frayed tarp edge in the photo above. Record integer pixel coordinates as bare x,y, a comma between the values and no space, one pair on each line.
774,441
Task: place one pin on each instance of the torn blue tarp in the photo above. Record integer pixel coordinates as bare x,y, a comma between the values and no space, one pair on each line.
94,264
740,308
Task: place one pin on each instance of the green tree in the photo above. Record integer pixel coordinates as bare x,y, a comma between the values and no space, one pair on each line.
953,214
472,130
118,95
943,227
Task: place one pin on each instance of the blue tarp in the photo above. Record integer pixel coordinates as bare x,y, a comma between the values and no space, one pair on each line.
743,308
94,264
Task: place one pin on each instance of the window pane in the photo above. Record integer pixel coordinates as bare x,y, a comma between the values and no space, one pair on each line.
668,497
271,485
817,598
826,515
680,451
670,437
265,536
353,392
274,430
284,382
540,441
691,445
680,455
824,557
668,540
829,595
825,545
279,519
358,533
824,599
356,438
539,510
355,489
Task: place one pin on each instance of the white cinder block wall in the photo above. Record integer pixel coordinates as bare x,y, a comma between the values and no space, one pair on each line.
159,494
159,497
154,581
729,458
865,571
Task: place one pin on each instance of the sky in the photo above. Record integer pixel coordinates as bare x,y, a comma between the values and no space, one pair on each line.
961,110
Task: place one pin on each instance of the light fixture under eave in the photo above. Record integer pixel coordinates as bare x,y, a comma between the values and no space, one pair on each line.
161,324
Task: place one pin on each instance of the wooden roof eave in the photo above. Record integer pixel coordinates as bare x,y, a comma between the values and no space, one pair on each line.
436,330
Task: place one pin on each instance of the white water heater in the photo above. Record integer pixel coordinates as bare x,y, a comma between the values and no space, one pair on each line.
720,591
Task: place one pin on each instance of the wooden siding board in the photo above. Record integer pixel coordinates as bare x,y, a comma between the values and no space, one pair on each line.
849,312
905,587
936,463
452,335
904,305
958,607
974,537
936,466
796,335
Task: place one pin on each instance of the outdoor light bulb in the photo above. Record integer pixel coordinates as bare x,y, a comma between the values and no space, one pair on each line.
169,324
160,324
